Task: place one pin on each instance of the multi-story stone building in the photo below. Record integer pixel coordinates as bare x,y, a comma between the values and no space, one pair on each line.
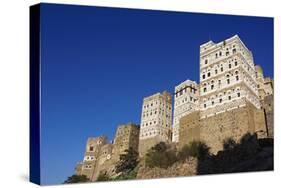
227,76
92,152
233,98
156,121
265,85
100,155
229,97
265,88
186,100
126,137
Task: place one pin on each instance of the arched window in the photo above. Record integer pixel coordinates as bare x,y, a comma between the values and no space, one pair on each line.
228,80
91,148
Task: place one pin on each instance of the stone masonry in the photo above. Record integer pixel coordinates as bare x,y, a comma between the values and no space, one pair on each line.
215,129
233,98
101,156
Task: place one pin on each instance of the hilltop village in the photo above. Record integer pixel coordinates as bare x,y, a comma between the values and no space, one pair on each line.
233,98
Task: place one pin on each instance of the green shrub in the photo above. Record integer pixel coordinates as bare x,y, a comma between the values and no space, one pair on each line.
184,153
103,176
194,149
127,175
77,179
127,161
229,144
242,156
161,155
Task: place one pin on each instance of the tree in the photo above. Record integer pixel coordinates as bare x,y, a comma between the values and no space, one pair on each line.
242,156
229,144
194,149
77,179
161,155
131,174
127,161
103,176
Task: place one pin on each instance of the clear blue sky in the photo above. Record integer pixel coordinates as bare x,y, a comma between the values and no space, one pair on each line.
99,63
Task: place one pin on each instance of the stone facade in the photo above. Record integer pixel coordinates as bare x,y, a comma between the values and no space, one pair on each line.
102,156
126,137
91,156
227,74
215,129
186,99
156,121
268,107
265,85
233,98
266,96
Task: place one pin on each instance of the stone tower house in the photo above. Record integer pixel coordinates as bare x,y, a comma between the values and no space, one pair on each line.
126,137
186,100
156,121
92,153
227,76
229,105
102,156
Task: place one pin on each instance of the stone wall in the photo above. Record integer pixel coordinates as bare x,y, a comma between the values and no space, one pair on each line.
268,107
127,136
101,156
92,152
217,128
186,168
189,128
146,144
